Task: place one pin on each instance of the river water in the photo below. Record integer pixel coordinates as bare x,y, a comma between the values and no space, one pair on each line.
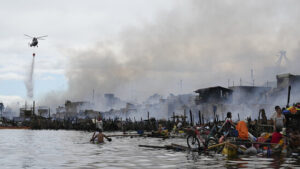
71,149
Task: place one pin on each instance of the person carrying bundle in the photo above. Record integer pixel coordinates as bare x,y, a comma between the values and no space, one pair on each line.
228,126
242,129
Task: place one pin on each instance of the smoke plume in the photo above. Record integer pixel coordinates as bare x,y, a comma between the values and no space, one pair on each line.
198,43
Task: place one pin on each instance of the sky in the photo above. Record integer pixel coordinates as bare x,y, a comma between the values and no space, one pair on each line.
137,48
68,24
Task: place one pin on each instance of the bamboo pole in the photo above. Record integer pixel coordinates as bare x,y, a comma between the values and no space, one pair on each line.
216,145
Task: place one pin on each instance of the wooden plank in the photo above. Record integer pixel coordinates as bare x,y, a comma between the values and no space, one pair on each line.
181,147
249,142
231,145
216,145
172,147
152,146
125,135
265,125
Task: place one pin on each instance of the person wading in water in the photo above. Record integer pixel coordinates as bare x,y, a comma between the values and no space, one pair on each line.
99,137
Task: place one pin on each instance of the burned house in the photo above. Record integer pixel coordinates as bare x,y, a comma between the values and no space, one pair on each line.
26,113
212,101
279,94
249,94
43,111
1,109
285,80
73,108
216,94
88,114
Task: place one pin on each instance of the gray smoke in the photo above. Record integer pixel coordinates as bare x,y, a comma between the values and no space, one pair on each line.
202,43
29,80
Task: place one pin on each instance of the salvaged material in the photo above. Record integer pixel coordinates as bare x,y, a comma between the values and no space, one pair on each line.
126,135
230,150
152,146
175,147
14,127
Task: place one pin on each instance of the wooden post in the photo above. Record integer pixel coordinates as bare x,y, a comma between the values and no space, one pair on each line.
214,110
95,123
173,117
214,116
289,94
259,121
191,118
184,114
33,108
49,112
199,113
238,116
148,117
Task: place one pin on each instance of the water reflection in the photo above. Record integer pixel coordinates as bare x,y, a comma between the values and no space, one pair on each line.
71,149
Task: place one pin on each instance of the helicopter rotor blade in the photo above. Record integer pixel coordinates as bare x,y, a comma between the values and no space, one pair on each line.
41,36
28,36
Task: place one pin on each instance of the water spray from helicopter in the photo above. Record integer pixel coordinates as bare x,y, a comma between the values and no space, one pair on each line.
29,83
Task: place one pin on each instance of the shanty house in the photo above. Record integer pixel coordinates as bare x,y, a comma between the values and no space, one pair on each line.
216,94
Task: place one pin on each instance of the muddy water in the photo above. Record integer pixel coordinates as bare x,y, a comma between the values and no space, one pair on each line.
71,149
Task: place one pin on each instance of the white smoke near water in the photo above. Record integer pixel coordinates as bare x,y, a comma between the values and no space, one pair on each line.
29,80
202,43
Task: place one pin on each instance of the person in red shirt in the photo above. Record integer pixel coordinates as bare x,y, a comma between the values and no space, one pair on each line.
276,136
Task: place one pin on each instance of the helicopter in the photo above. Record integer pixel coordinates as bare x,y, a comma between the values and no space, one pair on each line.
34,41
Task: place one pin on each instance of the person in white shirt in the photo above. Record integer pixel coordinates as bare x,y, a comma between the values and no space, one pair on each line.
278,119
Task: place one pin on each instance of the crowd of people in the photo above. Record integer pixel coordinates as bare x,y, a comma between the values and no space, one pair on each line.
282,121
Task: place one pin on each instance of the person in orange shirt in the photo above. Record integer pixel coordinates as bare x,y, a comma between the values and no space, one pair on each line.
242,128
